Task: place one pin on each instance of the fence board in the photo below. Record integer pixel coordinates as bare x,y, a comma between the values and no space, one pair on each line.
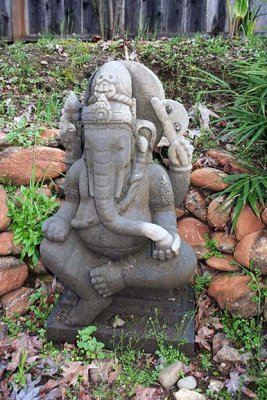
161,17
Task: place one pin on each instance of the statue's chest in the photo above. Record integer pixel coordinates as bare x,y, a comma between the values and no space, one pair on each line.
134,205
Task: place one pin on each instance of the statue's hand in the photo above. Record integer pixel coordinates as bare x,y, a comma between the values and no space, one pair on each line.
56,229
180,154
167,248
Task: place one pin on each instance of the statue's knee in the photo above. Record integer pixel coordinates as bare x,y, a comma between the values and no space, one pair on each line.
51,255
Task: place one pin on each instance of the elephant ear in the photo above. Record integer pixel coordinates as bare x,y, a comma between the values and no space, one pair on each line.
145,85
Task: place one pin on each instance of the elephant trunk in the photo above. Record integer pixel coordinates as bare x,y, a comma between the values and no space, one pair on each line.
104,174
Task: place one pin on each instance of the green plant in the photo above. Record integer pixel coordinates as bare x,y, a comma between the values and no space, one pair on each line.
42,303
48,109
240,9
261,385
245,188
246,333
88,344
13,327
23,134
28,211
166,351
202,282
20,376
211,245
205,359
137,369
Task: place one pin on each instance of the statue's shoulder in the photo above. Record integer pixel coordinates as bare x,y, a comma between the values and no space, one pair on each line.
160,188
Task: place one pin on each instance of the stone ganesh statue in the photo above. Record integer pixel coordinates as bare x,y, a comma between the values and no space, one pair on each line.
117,227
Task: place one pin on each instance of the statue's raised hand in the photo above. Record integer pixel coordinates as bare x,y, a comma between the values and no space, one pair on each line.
56,229
180,154
167,248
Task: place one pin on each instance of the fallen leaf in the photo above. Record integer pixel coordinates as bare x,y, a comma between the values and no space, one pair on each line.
75,369
203,337
148,393
83,395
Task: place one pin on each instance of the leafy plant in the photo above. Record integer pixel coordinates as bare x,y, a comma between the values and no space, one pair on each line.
240,9
20,376
202,282
246,333
138,369
28,212
245,188
23,134
42,303
88,343
211,245
205,359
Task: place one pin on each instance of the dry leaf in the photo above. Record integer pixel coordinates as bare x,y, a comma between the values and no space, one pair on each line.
148,393
75,369
203,337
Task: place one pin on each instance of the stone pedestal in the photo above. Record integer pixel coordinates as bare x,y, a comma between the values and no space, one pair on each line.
143,311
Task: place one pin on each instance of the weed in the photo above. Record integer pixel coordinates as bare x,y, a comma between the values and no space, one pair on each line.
48,109
136,369
23,134
42,304
88,344
202,283
245,188
211,245
205,359
13,326
28,212
246,333
20,376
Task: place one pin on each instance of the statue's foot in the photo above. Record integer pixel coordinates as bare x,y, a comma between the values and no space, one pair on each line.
85,312
107,279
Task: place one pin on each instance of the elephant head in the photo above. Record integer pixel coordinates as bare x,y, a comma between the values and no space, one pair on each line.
115,154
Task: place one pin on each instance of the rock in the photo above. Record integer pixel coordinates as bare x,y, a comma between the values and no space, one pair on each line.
219,213
194,233
185,394
100,373
215,386
247,222
38,269
233,294
222,263
180,212
195,203
50,137
13,273
169,376
3,141
224,242
6,243
227,161
189,382
3,330
218,341
253,247
59,185
264,216
16,163
16,302
227,354
208,178
4,219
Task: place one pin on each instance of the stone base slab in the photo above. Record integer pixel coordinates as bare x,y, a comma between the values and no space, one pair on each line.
144,311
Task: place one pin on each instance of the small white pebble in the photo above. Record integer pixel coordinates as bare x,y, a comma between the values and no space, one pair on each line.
189,382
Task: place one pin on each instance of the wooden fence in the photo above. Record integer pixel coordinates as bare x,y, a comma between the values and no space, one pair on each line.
28,18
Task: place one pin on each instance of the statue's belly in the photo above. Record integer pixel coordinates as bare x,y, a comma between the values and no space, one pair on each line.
98,238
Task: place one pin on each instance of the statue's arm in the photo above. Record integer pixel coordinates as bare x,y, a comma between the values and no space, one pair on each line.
162,209
57,227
